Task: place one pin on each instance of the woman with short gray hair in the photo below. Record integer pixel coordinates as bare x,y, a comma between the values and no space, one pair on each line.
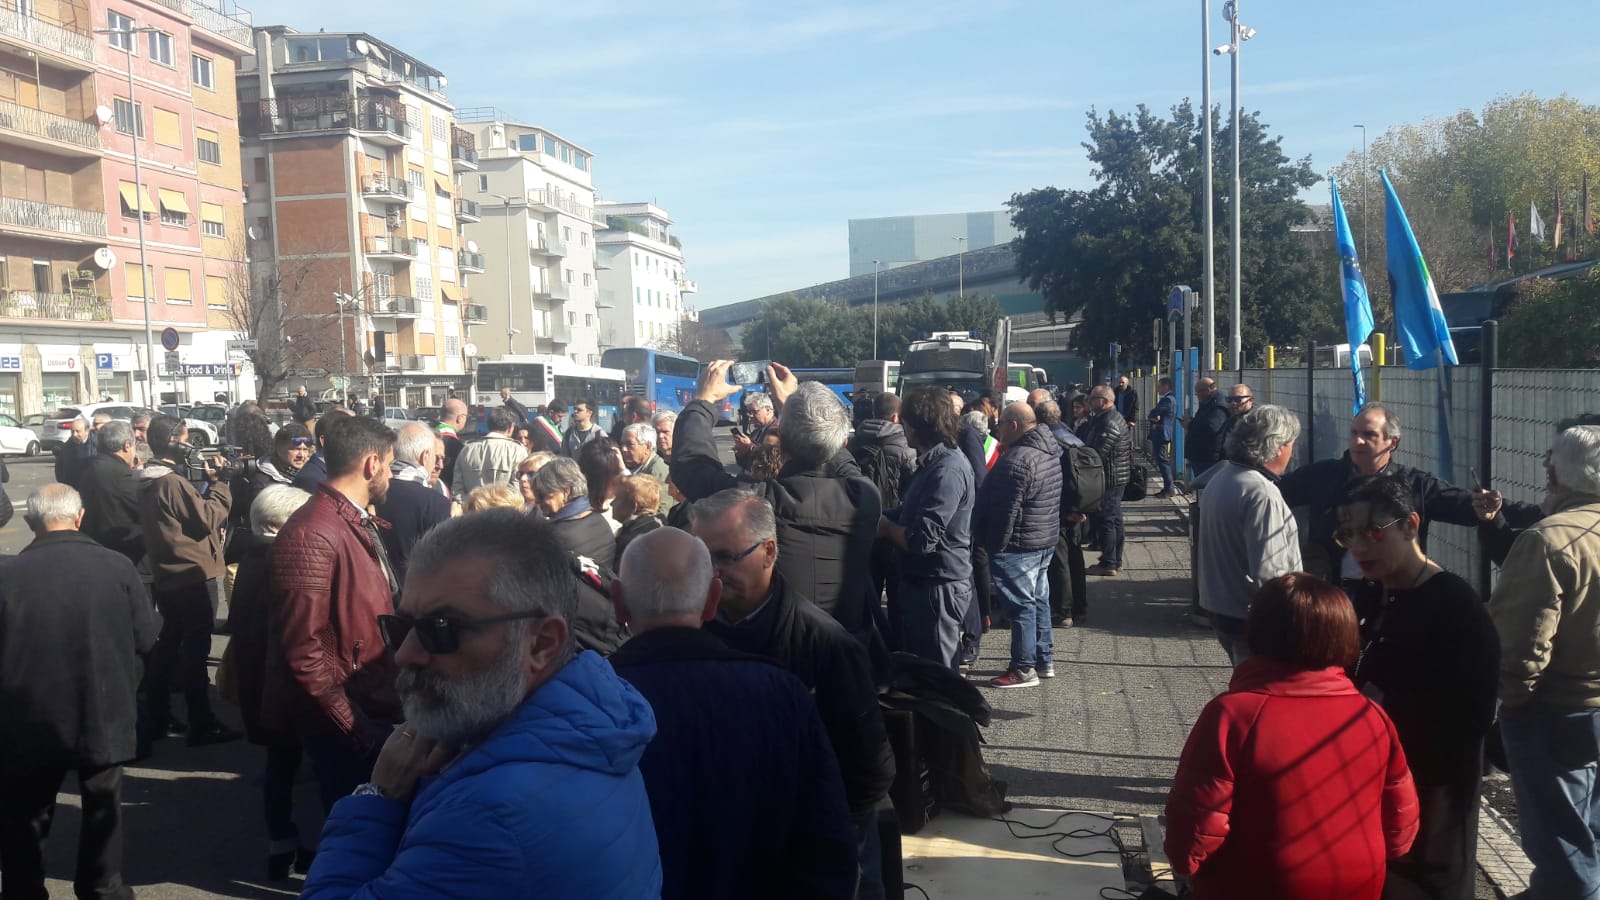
563,495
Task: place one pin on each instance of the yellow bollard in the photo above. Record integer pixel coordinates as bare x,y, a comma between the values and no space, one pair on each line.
1219,362
1378,350
1272,363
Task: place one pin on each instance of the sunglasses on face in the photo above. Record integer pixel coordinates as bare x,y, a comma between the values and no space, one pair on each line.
1372,534
438,634
302,442
723,558
1239,399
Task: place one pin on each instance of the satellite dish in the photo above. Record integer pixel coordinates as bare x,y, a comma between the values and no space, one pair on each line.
252,233
472,246
104,115
362,47
105,258
443,81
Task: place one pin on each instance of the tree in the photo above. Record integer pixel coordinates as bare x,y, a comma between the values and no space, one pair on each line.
268,303
691,337
1554,324
1114,252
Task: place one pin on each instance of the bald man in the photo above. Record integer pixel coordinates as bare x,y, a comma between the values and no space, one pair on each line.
1017,519
452,418
744,787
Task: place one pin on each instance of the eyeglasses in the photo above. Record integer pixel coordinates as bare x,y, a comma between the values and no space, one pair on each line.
302,442
438,634
723,558
1239,398
1371,534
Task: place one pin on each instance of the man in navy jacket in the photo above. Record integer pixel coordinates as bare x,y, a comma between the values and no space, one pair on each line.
1163,431
744,788
412,507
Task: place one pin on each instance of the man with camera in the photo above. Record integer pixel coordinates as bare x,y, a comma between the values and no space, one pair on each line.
292,447
183,541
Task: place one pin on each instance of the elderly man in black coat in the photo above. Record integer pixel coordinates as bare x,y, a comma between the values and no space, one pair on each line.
110,493
827,511
74,619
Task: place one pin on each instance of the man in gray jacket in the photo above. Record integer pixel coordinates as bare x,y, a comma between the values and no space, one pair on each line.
1247,533
493,460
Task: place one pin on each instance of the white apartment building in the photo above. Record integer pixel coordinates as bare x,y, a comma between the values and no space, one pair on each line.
642,281
534,192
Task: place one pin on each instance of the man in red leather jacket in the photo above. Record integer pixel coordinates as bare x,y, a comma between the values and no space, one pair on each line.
331,580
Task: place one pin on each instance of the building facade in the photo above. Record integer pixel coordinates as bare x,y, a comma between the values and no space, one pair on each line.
643,285
106,138
897,241
352,155
534,200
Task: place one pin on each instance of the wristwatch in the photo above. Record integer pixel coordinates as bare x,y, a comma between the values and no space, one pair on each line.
369,790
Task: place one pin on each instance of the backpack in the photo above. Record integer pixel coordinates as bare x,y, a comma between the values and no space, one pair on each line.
1083,479
876,466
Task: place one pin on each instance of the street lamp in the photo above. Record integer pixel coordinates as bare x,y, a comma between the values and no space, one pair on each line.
511,332
961,266
1209,299
1239,34
1363,191
875,265
343,300
138,197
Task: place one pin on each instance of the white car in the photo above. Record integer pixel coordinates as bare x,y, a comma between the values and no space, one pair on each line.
201,432
15,439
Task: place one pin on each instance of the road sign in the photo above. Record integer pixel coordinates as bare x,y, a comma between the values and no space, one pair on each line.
243,345
169,338
339,382
309,373
173,362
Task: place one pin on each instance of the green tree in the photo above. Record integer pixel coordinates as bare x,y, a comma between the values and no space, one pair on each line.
1115,251
1554,325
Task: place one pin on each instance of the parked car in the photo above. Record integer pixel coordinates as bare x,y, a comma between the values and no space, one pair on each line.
17,439
43,429
202,431
59,423
396,416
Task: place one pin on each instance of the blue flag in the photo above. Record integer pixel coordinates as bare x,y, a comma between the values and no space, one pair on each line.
1357,307
1424,333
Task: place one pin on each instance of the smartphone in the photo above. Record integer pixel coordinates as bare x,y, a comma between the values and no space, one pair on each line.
748,373
1476,484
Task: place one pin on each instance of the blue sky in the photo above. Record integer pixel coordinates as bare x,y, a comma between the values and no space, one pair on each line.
763,127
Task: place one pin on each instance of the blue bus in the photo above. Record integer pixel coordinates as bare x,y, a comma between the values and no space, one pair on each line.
841,381
665,379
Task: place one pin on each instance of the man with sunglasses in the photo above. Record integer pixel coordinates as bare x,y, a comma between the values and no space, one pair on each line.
1205,431
761,612
516,773
331,580
315,470
292,448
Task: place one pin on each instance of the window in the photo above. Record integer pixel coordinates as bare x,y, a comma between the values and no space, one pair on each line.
216,291
41,276
202,71
483,183
178,286
452,345
168,127
566,153
439,132
638,296
528,143
572,318
161,47
128,115
211,220
549,145
587,279
133,276
588,320
116,21
209,149
417,184
636,260
569,276
581,161
174,208
425,289
583,239
566,234
261,170
131,197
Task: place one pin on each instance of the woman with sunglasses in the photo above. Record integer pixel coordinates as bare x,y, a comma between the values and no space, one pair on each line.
563,495
526,471
1430,658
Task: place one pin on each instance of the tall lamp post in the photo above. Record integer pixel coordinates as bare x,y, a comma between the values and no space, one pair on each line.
1364,231
511,330
875,265
127,34
961,266
1239,34
1210,288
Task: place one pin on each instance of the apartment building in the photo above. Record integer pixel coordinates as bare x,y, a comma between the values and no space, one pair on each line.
642,281
535,215
96,128
351,154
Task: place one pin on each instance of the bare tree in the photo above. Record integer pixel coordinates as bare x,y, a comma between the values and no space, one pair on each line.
696,339
267,303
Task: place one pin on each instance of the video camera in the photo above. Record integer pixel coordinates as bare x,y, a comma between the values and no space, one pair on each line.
227,463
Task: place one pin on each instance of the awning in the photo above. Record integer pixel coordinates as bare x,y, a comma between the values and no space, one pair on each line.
172,201
444,186
450,291
131,197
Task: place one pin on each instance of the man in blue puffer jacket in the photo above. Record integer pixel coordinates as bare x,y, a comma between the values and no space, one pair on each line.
516,773
1018,518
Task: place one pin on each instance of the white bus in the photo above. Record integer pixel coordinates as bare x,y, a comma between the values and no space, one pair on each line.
535,380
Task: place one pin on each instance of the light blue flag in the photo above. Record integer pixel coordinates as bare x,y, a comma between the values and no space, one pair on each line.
1424,333
1357,307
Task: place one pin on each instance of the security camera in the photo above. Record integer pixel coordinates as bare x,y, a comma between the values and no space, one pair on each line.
1223,50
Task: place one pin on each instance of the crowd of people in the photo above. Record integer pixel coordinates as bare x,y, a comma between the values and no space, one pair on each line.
501,656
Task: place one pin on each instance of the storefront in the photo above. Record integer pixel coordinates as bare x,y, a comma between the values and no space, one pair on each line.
11,380
61,376
413,391
114,365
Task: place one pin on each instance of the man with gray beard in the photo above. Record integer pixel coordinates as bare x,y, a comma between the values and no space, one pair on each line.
529,747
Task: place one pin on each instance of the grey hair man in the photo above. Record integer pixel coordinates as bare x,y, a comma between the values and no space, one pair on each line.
74,619
534,745
742,535
1546,609
663,422
1247,534
640,455
494,459
110,492
739,742
1108,433
827,511
412,507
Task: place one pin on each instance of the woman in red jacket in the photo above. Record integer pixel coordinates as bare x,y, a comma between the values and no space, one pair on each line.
1292,785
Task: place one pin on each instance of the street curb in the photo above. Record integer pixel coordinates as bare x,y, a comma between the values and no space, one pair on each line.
1500,853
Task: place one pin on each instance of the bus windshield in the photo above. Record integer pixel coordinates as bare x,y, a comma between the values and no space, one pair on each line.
521,378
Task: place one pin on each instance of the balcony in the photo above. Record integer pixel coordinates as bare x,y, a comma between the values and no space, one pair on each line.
63,47
467,211
71,307
382,123
559,334
547,201
474,313
552,248
469,262
556,292
685,286
394,307
393,247
387,189
36,129
463,152
50,222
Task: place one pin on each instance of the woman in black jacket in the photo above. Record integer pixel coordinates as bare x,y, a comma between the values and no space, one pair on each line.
563,495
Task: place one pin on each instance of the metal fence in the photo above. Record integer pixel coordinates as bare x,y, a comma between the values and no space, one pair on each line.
1528,403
